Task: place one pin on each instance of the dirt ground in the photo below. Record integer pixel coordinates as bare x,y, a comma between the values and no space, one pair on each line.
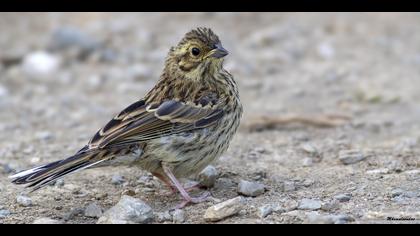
360,66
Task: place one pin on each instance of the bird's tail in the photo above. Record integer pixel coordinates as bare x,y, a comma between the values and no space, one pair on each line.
40,176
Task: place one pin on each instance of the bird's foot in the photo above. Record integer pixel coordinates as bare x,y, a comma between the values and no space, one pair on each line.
193,200
187,187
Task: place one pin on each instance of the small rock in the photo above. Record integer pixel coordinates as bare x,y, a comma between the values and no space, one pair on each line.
59,183
208,176
348,157
4,213
326,50
164,217
289,186
223,210
24,201
3,92
330,206
412,172
40,64
178,216
316,218
128,210
307,183
264,211
6,169
381,171
290,205
343,197
129,192
71,38
44,135
140,72
309,204
73,213
251,189
93,210
117,180
100,196
46,221
307,162
397,192
315,155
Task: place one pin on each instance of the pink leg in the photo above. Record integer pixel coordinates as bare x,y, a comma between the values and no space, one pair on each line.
182,191
166,181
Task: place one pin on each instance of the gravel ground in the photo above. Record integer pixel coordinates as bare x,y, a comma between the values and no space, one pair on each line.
62,76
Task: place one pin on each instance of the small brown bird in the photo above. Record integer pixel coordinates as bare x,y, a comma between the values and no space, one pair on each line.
183,124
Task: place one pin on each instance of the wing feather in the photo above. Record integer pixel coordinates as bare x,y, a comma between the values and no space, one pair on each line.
141,122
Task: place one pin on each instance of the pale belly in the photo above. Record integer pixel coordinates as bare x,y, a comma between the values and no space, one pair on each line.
189,153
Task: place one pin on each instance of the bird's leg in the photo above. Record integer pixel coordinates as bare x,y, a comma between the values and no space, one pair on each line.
182,191
173,189
166,181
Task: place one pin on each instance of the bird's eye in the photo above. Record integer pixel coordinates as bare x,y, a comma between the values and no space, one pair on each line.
195,51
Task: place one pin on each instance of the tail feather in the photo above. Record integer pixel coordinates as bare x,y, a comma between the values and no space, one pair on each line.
41,176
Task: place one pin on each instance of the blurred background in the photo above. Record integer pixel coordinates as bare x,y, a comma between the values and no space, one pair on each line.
310,83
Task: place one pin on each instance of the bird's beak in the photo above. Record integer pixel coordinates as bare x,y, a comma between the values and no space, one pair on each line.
219,51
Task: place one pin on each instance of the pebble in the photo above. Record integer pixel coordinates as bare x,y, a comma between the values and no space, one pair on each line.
128,210
412,172
316,218
4,213
73,213
44,135
164,217
223,210
117,180
69,37
381,171
343,197
3,91
290,205
331,205
46,221
251,189
129,192
309,204
326,50
6,169
93,210
139,72
59,183
208,176
289,186
100,196
265,211
312,151
348,157
397,192
307,162
178,216
24,201
40,64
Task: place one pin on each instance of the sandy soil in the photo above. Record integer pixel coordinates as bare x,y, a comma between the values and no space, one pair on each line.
364,66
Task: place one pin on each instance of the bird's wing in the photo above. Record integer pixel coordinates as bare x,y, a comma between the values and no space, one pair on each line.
141,122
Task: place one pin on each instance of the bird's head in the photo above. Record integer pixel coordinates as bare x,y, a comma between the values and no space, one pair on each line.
198,52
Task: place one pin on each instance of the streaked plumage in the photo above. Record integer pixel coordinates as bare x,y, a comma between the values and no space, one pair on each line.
184,123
